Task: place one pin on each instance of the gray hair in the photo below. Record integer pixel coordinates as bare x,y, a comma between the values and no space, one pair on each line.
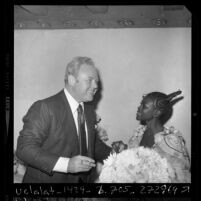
73,66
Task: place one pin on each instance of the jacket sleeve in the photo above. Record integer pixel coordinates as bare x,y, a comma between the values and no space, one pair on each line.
102,150
34,133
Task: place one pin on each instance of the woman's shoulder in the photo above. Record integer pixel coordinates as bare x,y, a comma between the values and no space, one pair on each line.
172,141
173,137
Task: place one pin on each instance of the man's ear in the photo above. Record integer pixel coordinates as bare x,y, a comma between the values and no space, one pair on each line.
156,113
71,80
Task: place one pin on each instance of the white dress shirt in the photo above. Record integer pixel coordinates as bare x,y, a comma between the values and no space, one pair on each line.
62,163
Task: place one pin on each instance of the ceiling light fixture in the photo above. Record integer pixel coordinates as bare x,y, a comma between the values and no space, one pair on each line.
126,22
95,23
159,21
70,24
21,25
43,24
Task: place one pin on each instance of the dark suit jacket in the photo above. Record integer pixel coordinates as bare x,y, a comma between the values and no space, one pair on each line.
49,132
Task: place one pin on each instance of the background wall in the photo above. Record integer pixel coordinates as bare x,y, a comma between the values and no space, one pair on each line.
132,62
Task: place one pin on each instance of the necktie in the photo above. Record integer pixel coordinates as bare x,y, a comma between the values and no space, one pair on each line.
81,131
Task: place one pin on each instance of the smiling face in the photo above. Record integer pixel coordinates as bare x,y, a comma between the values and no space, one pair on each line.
85,84
146,110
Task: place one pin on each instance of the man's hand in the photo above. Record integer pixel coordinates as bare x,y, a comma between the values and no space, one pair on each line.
99,167
80,164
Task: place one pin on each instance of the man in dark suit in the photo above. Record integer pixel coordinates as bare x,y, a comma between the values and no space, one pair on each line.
49,142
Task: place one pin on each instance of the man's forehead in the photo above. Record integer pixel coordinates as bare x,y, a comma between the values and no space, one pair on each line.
89,70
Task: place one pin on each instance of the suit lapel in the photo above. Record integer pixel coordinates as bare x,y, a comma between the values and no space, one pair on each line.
70,120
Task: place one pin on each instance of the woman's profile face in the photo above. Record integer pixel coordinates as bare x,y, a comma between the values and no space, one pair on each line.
146,109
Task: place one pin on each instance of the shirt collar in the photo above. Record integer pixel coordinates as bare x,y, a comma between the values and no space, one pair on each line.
72,102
